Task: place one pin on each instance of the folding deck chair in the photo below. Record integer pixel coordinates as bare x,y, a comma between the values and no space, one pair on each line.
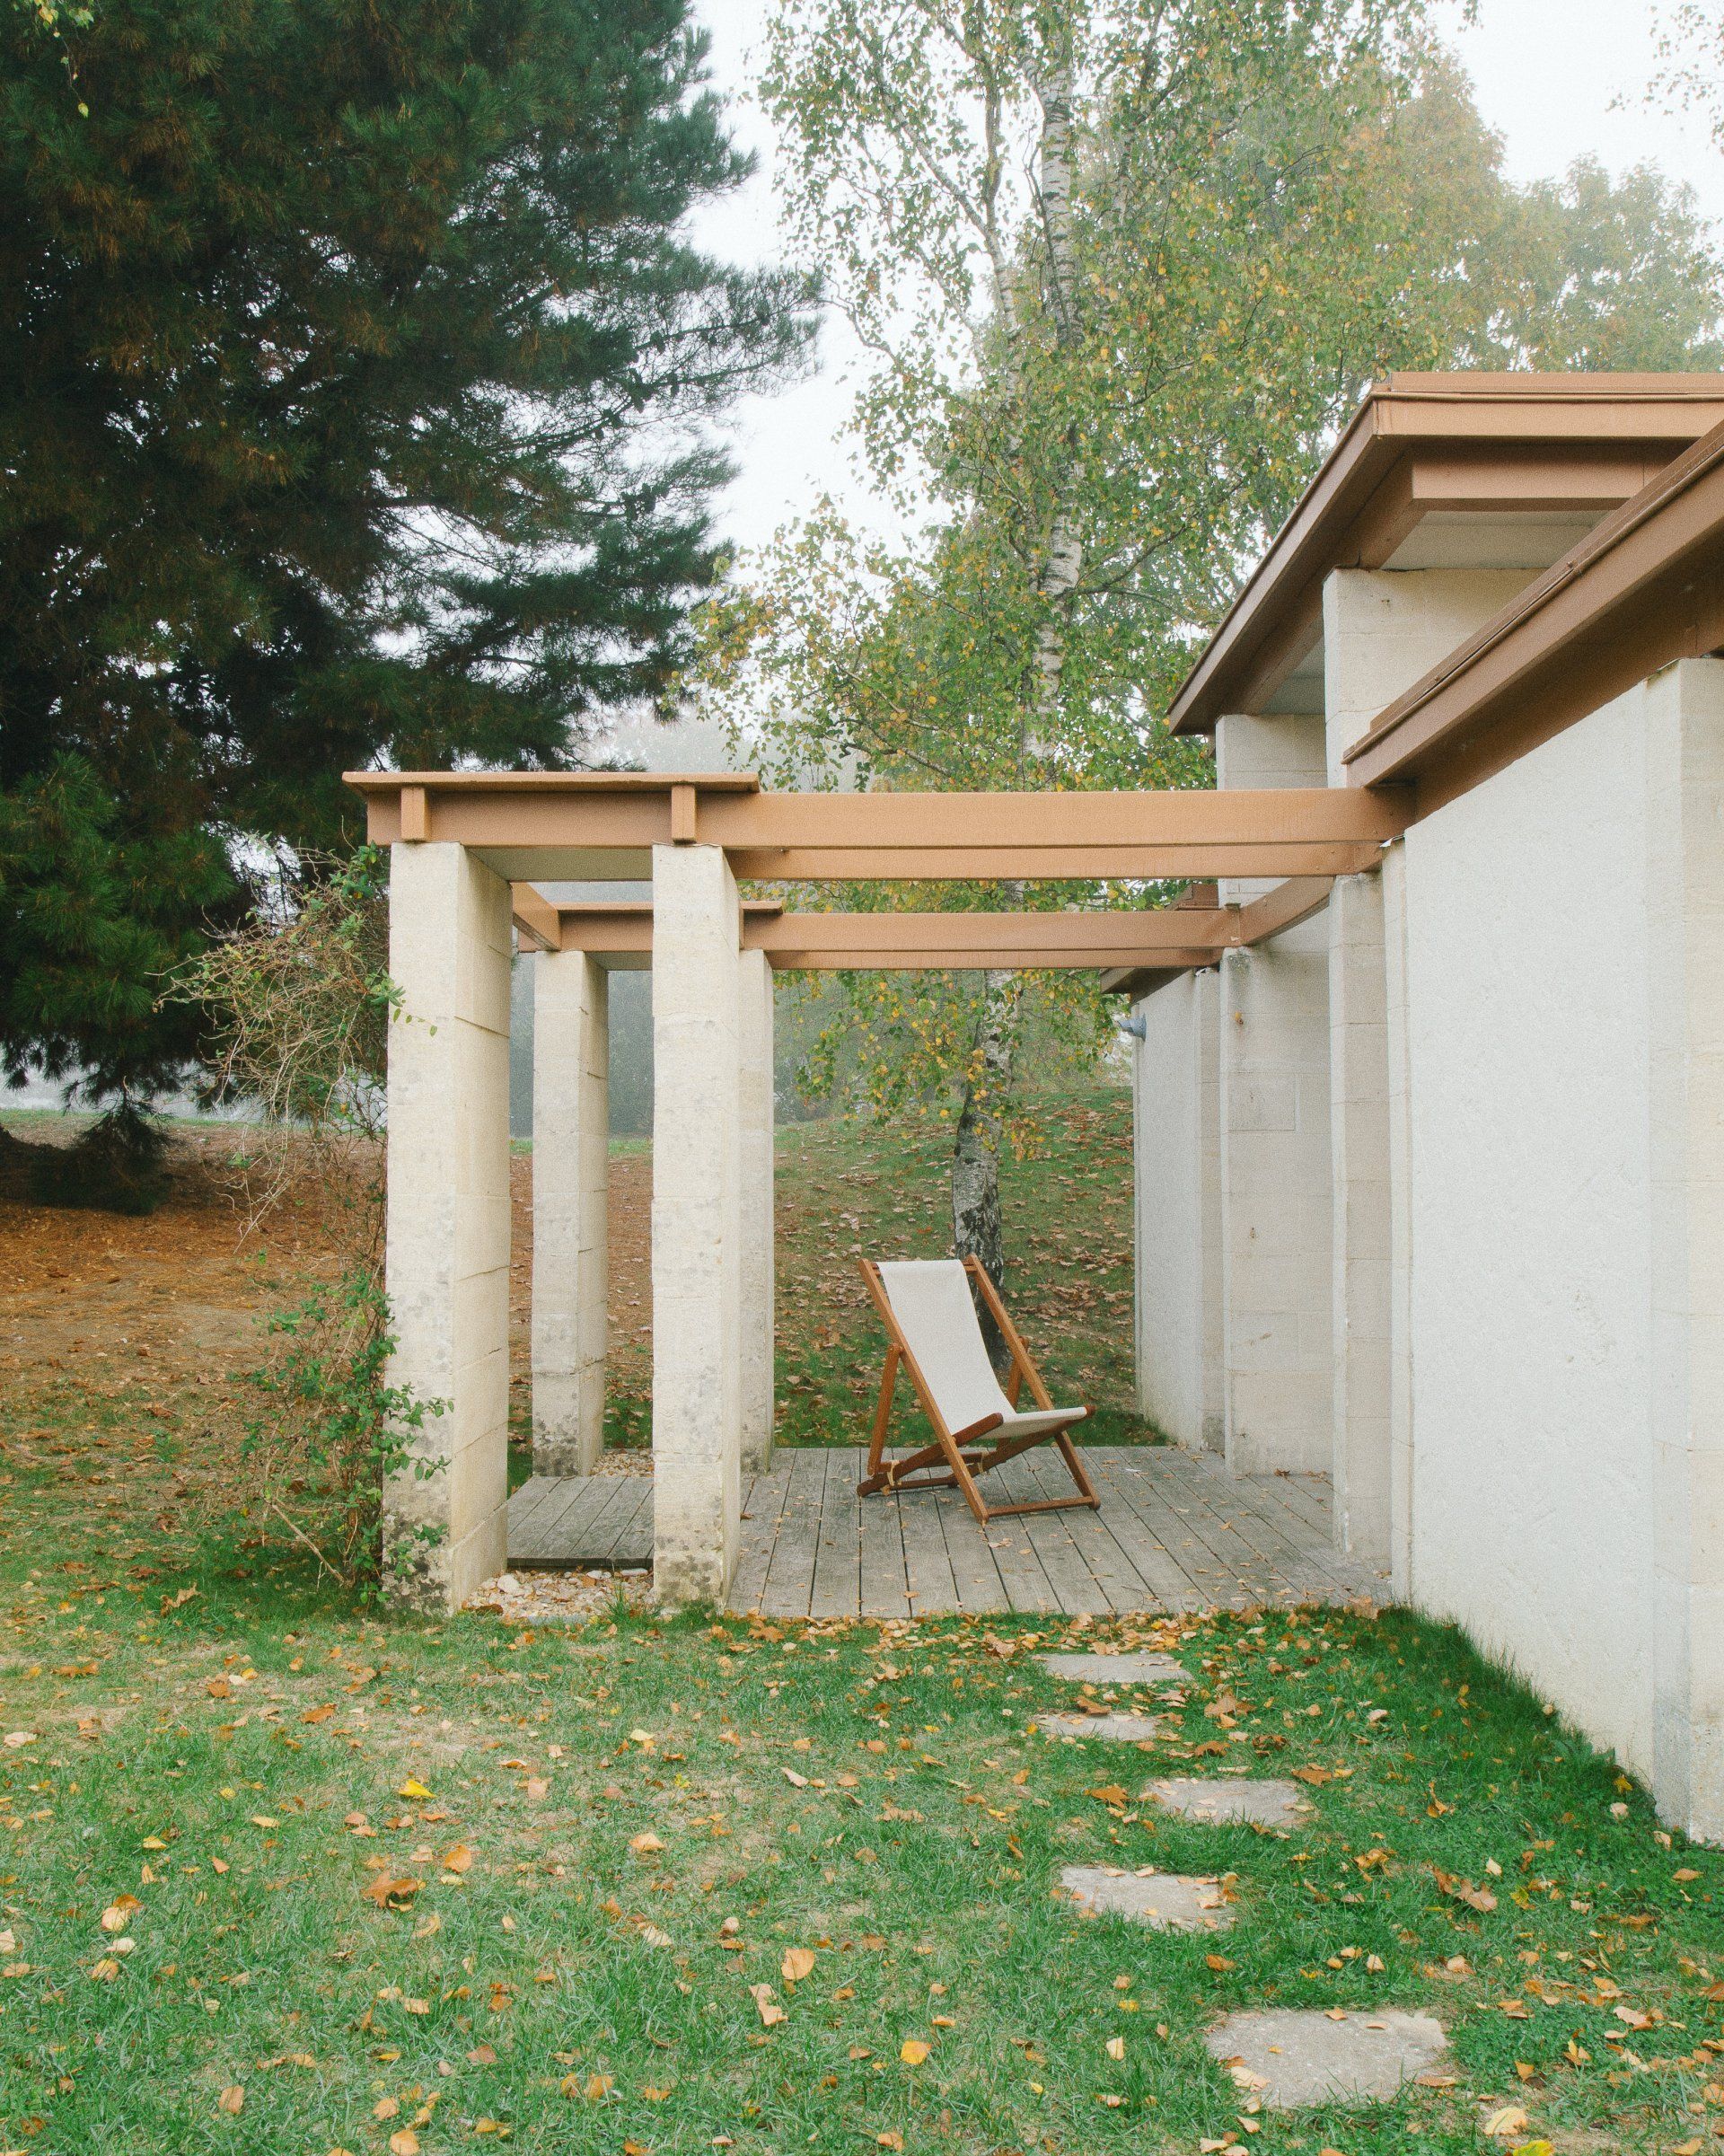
932,1330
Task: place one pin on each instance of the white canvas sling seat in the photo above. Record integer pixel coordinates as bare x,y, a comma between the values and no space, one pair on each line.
929,1308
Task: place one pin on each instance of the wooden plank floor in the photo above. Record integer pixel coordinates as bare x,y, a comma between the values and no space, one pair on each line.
1175,1531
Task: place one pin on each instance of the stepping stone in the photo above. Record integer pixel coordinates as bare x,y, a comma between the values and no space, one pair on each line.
1289,2056
1122,1729
1116,1668
1234,1802
1160,1899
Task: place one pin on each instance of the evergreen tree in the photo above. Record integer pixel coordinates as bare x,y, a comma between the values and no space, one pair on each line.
356,390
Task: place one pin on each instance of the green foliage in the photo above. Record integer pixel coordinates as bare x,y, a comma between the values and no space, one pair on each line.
118,1166
333,1430
1120,274
356,391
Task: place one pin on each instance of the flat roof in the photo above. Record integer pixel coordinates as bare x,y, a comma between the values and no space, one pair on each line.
1423,445
1644,588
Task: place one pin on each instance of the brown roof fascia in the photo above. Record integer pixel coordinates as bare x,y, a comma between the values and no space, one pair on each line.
1642,590
1361,506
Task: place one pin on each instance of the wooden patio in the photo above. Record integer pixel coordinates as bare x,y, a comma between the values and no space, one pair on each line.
1175,1532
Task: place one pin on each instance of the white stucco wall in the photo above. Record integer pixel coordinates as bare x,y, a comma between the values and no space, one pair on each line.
1177,1217
1528,1220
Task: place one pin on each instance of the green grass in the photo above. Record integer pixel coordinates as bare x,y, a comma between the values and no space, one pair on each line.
878,1798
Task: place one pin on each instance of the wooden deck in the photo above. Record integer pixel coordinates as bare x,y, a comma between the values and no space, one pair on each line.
1175,1531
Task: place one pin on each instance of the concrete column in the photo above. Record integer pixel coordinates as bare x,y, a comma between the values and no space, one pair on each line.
1382,629
697,1223
1399,1111
1273,1058
448,1273
571,1127
1359,1145
1176,1211
1686,815
760,1332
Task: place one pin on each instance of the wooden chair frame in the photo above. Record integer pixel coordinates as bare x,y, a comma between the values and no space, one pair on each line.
949,1447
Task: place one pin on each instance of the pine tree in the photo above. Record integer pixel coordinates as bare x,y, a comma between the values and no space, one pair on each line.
356,382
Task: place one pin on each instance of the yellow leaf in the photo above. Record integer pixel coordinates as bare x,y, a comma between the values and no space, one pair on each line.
798,1962
404,2142
645,1846
410,1788
458,1858
113,1918
913,2050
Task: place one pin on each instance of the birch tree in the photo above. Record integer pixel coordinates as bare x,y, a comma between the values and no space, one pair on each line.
1119,274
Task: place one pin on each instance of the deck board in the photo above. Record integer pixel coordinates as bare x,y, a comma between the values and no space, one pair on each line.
1173,1531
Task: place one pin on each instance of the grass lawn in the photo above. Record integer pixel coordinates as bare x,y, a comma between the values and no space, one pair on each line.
398,1886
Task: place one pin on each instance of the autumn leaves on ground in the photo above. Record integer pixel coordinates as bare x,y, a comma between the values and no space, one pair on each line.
278,1875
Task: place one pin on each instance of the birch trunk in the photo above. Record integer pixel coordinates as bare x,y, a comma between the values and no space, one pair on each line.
976,1147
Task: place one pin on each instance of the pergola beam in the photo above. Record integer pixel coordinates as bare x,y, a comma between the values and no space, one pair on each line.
1171,938
520,822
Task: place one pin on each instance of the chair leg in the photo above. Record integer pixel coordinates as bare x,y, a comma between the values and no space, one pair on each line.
1079,1472
883,1413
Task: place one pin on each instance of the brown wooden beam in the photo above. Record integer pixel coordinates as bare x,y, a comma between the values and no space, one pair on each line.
1314,829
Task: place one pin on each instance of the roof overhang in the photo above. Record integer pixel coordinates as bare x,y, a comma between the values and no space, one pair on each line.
1463,470
1643,589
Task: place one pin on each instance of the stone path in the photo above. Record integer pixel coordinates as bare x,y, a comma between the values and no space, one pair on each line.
1163,1900
1121,1729
1281,2058
1286,2056
1236,1800
1116,1668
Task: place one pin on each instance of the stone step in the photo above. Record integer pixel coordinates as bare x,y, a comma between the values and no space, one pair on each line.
1163,1900
1227,1801
1117,1729
1292,2056
1136,1668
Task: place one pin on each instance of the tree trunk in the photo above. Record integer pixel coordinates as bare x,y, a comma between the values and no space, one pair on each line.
975,1152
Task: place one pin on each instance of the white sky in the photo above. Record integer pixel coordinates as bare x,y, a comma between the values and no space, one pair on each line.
1556,78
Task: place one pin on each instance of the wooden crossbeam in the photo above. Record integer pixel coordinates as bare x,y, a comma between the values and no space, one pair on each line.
523,821
1171,938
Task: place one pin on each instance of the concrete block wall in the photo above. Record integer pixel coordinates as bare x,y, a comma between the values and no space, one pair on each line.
571,1113
447,1225
697,1223
1685,780
1176,1217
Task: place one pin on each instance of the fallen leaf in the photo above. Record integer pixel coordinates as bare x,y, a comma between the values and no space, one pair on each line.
391,1894
798,1962
458,1858
15,1740
1115,2047
232,2100
114,1917
1500,2125
317,1714
645,1844
889,2141
770,2011
410,1788
404,2141
913,2050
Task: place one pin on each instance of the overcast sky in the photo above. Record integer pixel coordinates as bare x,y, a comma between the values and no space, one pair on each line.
1556,78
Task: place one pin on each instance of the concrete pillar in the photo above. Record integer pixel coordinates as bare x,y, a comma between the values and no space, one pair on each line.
448,1267
571,1127
759,1342
1399,1112
697,1223
1686,815
1273,1058
1359,1146
1382,629
1176,1211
